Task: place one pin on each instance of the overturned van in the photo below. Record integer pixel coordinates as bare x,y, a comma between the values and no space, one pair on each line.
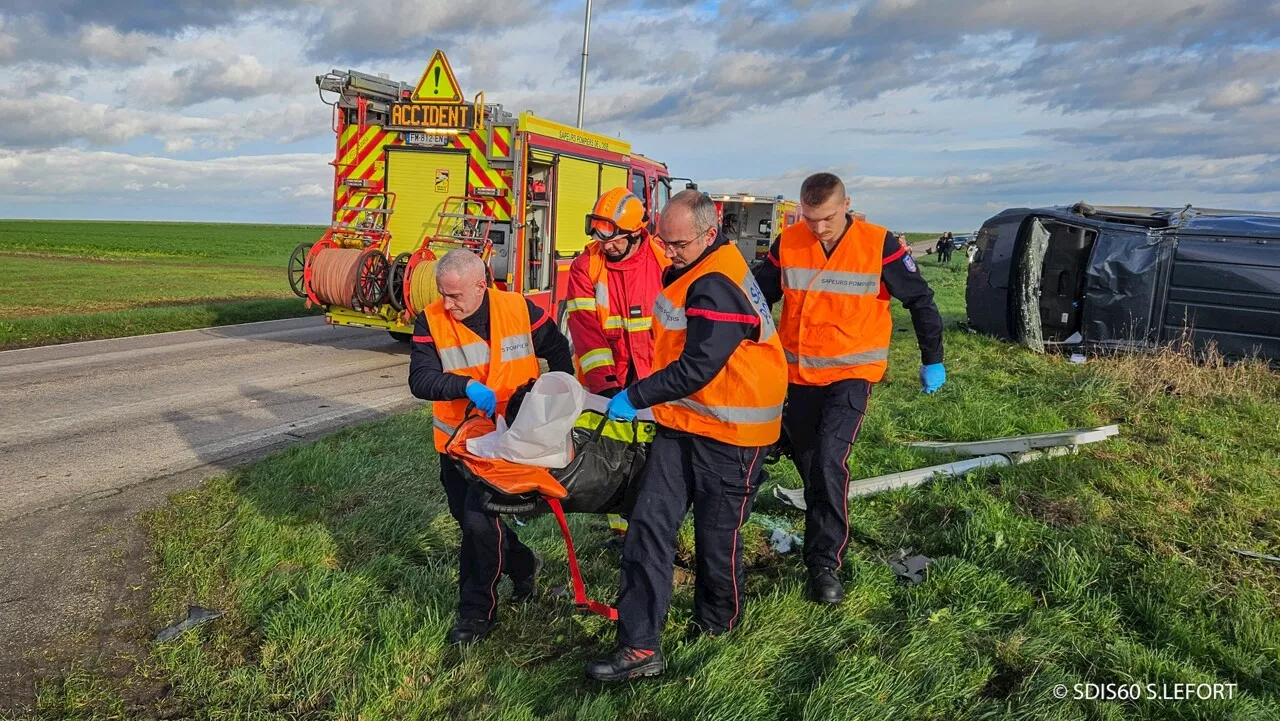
1085,278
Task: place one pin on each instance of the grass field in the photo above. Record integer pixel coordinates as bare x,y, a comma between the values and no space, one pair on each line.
335,563
72,280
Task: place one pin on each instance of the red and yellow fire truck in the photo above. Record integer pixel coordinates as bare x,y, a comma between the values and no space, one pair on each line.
420,170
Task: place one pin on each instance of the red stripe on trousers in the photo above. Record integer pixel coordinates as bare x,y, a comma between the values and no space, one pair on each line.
733,555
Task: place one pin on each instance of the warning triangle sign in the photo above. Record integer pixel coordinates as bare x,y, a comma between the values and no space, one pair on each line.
437,84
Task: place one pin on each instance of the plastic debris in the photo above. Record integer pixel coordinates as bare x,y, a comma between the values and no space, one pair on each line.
908,569
782,536
782,542
196,615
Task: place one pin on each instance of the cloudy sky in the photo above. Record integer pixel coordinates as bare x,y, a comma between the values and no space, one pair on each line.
938,113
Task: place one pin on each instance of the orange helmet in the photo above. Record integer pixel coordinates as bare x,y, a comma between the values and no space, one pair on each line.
617,212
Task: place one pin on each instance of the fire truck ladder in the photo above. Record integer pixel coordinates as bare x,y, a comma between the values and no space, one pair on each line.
468,224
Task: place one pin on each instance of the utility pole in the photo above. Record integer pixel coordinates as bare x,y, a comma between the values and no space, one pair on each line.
582,80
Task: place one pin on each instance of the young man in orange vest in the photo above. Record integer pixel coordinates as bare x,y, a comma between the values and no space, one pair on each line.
610,297
834,275
716,394
478,345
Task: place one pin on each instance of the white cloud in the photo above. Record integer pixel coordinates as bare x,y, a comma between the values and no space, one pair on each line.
107,44
1237,93
309,190
263,185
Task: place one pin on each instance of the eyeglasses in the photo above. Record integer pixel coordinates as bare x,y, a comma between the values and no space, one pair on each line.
677,246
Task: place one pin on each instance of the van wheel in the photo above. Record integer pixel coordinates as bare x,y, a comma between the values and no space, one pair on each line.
402,337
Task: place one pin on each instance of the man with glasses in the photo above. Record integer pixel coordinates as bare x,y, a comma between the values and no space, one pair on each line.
834,275
716,394
610,297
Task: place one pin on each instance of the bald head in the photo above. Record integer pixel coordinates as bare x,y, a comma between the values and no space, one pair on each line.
460,278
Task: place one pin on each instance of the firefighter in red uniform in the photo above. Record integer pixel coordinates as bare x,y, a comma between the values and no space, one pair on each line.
716,393
612,287
834,275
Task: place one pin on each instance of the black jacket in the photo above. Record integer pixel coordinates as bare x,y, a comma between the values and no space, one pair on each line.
429,381
901,278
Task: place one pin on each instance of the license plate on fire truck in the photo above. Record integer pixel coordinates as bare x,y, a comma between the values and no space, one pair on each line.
428,140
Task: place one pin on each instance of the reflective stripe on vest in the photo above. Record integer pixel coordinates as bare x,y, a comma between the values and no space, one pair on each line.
669,315
504,363
464,356
733,414
835,323
441,425
807,361
831,281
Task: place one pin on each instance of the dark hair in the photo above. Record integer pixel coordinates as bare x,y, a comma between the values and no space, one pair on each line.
818,188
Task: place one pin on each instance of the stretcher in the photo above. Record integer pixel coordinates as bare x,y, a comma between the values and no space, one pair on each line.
609,457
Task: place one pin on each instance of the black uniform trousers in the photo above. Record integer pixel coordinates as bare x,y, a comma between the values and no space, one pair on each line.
719,480
489,547
823,422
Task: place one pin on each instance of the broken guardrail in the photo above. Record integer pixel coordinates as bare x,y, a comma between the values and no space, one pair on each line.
1009,451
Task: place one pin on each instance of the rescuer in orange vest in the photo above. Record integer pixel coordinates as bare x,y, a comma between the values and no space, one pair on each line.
834,275
716,393
611,291
478,345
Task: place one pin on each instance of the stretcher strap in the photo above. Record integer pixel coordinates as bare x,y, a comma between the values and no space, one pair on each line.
579,588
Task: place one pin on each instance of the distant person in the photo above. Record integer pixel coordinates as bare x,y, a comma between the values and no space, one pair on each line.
944,247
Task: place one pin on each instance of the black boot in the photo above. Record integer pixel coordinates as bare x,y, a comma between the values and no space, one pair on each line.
626,663
525,588
824,587
468,630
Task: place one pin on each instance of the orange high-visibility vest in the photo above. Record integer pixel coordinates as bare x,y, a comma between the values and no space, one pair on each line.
835,315
504,363
742,405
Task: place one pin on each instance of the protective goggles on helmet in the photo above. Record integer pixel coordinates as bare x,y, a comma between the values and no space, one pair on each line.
603,228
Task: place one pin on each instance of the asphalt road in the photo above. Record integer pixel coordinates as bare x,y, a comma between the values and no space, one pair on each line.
85,419
92,433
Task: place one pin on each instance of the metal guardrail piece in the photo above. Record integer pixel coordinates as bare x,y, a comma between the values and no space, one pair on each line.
1020,444
999,452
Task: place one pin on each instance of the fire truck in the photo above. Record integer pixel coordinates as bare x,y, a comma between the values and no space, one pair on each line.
420,170
752,222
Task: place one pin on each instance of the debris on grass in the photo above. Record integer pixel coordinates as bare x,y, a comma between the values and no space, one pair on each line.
1259,556
909,569
196,615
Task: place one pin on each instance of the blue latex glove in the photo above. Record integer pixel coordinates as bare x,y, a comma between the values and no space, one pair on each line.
932,377
483,396
620,408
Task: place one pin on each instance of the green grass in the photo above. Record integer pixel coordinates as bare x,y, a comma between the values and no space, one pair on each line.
336,564
72,280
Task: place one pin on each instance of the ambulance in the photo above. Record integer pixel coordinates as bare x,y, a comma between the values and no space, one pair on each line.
752,222
420,169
